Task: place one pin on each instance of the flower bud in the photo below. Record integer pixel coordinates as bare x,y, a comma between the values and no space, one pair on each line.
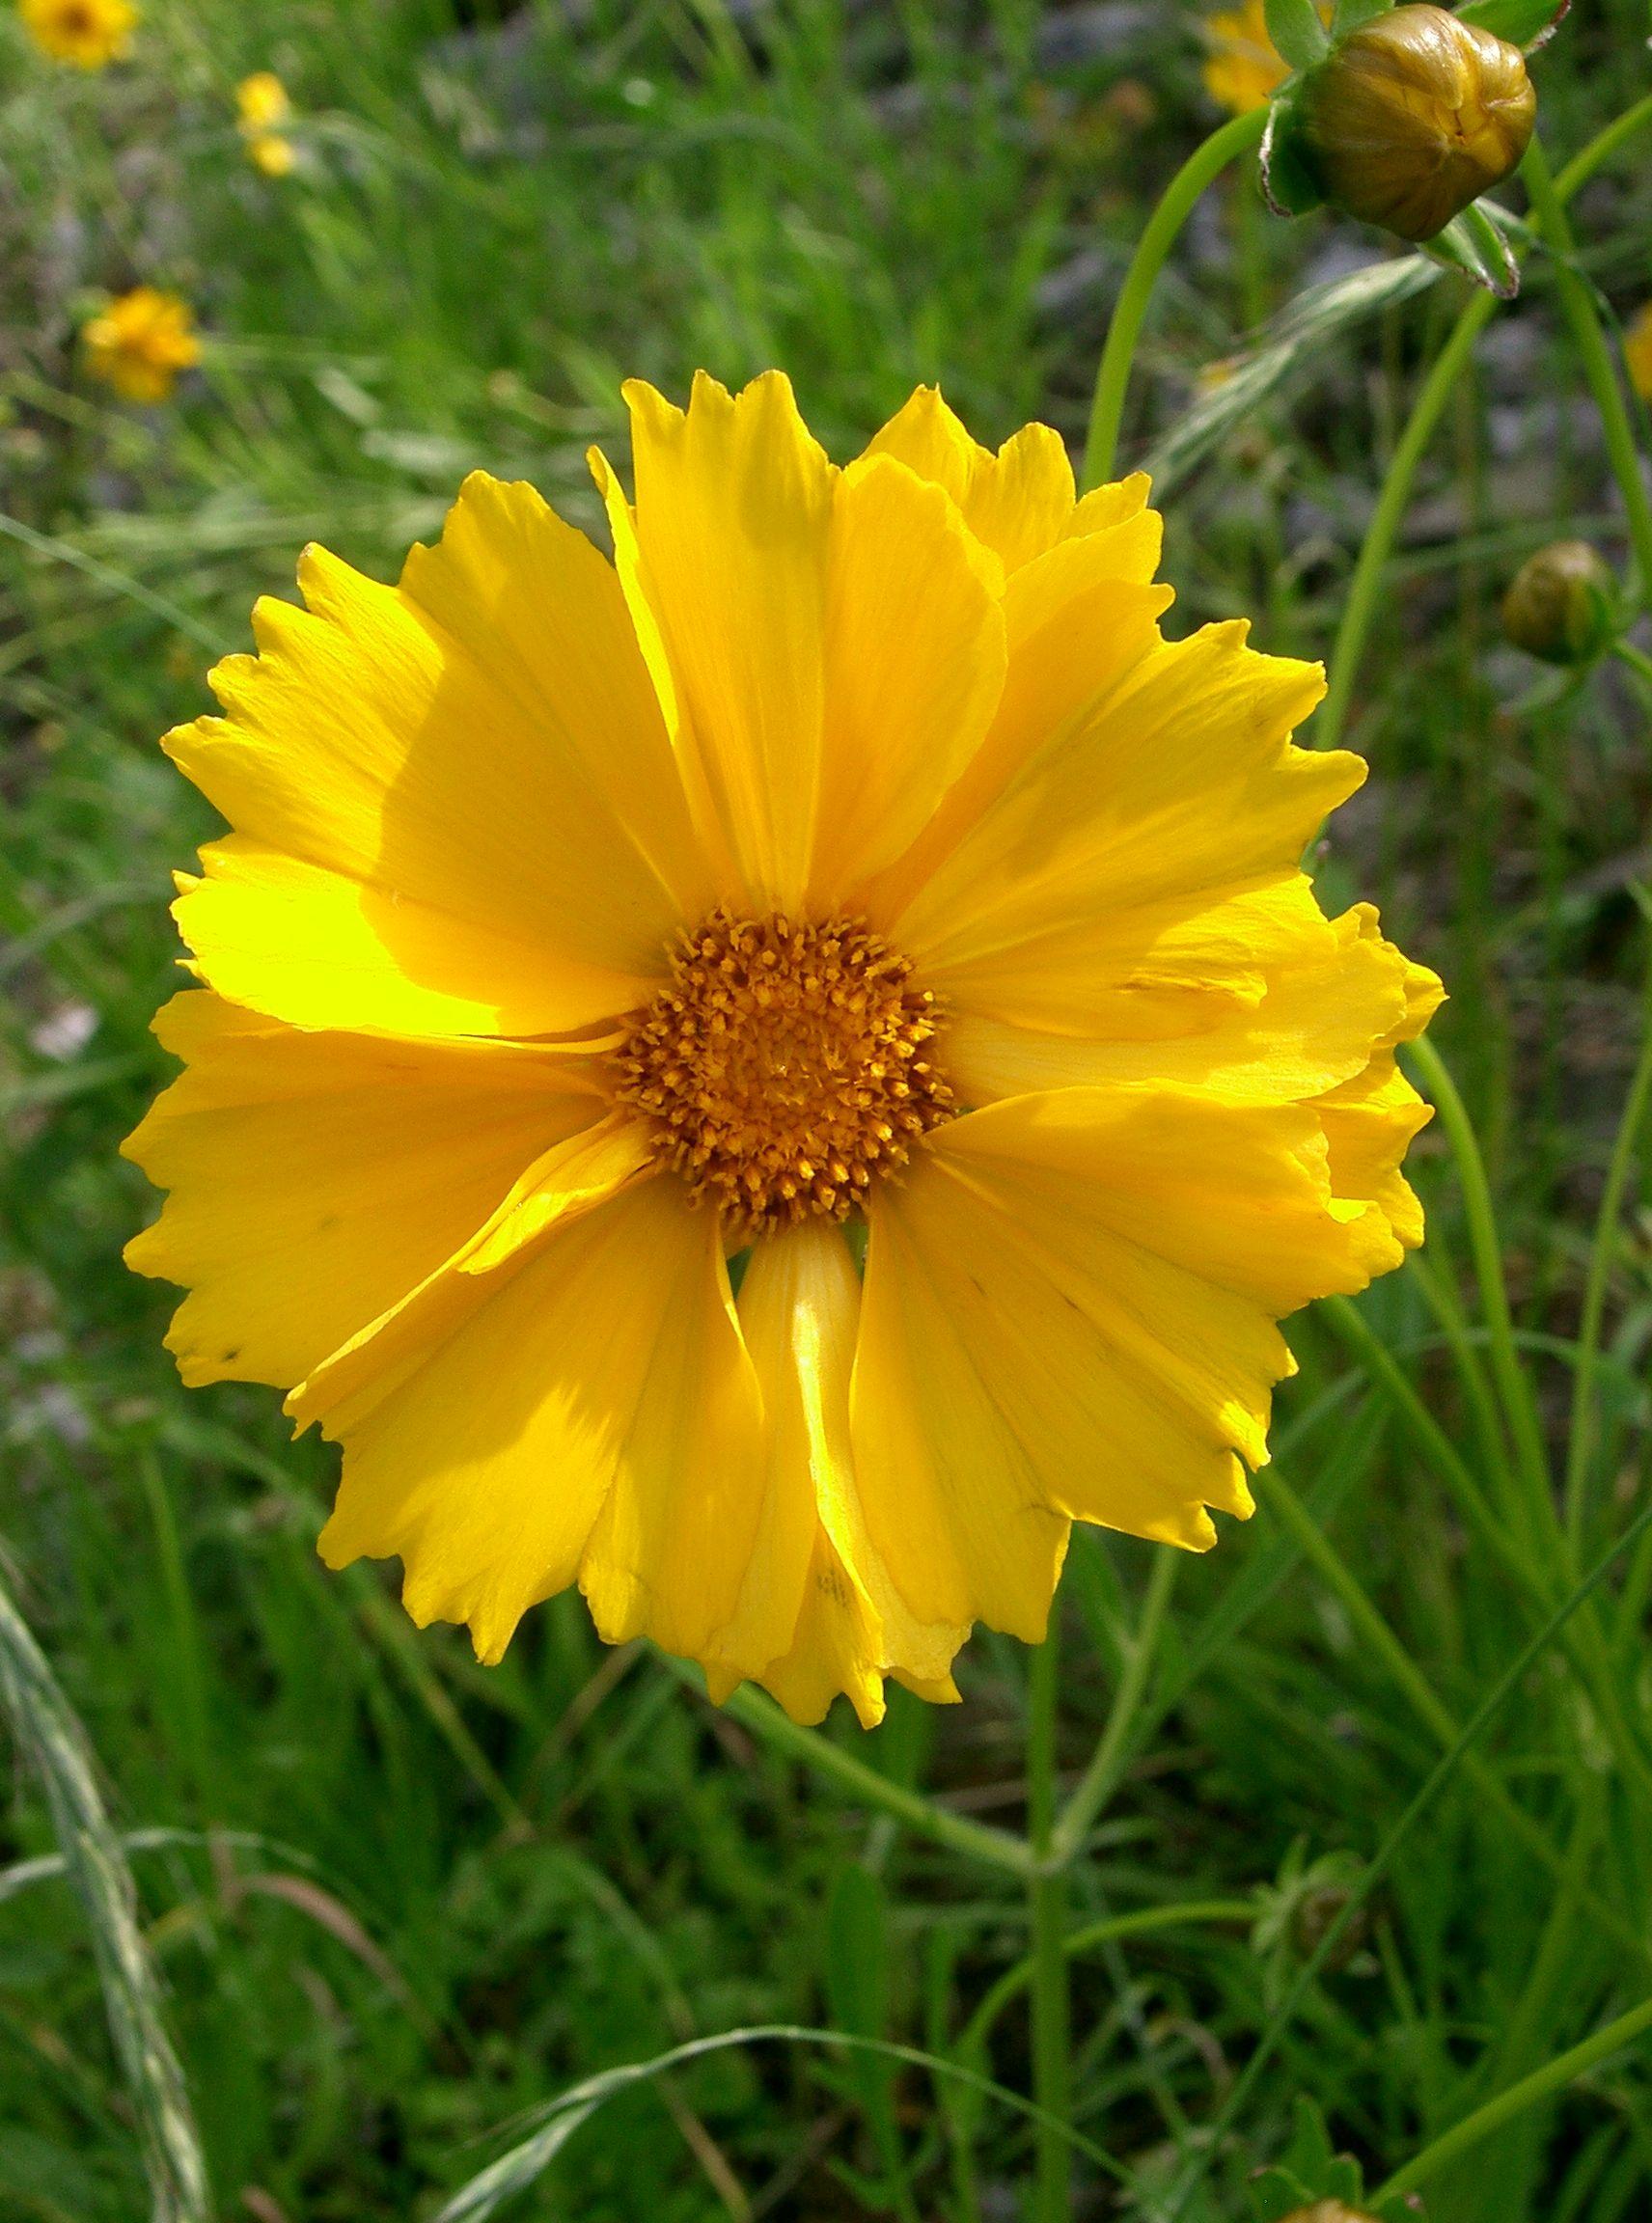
1562,606
1414,115
1327,2211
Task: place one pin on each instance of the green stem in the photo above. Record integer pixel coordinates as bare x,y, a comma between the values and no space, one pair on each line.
971,1840
1580,1449
1100,1778
1578,307
1047,1908
1113,376
1552,2078
1637,659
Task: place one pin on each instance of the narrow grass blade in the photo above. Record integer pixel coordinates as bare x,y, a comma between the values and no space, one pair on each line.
514,2171
1293,340
45,1726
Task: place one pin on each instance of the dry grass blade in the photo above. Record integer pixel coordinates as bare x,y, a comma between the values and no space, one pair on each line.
47,1728
1293,339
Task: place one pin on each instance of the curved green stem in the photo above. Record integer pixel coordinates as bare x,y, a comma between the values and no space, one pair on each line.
1047,1908
1579,1447
1578,307
971,1840
1637,659
1113,376
1550,2077
1099,1779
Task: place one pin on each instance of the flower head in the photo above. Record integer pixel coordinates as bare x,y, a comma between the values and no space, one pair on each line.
604,956
141,343
1414,115
87,33
263,107
1637,352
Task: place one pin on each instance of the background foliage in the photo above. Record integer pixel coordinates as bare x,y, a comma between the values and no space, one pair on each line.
395,1900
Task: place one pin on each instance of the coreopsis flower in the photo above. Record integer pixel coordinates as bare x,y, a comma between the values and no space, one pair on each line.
262,108
1242,66
1637,352
141,343
604,956
89,34
1414,115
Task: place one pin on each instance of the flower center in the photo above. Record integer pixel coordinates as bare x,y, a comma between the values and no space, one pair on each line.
782,1065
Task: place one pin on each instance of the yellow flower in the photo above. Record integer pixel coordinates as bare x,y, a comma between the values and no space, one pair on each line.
1638,352
1242,69
88,33
852,855
262,106
141,343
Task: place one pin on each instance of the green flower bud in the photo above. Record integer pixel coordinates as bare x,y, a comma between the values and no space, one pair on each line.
1414,115
1562,605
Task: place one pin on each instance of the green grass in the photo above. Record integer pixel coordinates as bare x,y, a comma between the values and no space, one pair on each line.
396,1901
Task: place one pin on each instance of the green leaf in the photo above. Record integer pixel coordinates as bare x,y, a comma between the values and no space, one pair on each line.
1476,243
1352,14
1526,24
1298,34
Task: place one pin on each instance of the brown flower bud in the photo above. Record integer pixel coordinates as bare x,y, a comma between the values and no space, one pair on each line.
1414,115
1562,605
1327,2211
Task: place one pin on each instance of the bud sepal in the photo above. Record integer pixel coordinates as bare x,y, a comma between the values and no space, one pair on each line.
1310,2183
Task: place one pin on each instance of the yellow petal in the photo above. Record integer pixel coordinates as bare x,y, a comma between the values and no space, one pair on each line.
733,516
1070,1314
1173,791
1078,620
316,1178
319,949
1259,1001
591,1417
818,1613
1018,502
914,663
483,740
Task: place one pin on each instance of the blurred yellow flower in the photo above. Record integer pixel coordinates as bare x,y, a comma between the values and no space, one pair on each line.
1242,69
853,849
1637,352
88,33
262,106
140,344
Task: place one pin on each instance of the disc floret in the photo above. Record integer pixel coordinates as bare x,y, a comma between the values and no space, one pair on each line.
785,1064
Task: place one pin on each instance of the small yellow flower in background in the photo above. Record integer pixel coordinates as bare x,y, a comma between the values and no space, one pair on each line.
263,107
141,343
1242,69
1637,352
594,941
87,33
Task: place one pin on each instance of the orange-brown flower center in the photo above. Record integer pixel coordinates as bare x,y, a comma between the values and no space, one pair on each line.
784,1065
